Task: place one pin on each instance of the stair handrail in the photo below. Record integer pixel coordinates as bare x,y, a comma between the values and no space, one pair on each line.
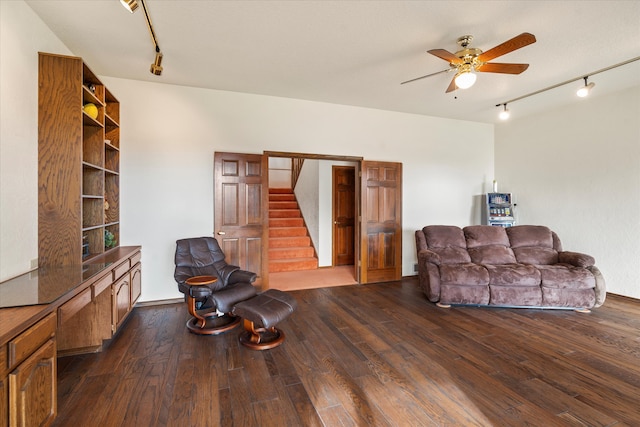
296,167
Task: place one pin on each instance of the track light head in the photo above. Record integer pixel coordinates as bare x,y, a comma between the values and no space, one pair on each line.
156,68
586,89
504,114
130,5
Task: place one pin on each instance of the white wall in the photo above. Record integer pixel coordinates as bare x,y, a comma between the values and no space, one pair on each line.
279,172
577,170
308,198
22,35
169,135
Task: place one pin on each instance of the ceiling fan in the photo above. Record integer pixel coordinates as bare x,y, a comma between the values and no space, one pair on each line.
469,60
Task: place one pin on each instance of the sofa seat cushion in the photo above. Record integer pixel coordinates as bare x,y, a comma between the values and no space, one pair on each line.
517,296
513,275
562,276
463,275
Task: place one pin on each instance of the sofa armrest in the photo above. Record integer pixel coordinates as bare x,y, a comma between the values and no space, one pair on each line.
600,288
576,259
426,255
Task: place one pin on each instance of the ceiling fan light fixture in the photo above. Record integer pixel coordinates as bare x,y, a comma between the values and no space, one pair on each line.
465,79
130,5
504,114
586,89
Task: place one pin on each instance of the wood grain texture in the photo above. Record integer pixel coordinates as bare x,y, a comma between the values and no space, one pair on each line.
378,355
59,160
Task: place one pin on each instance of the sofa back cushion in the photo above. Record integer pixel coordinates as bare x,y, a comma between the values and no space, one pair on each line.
487,244
534,244
448,242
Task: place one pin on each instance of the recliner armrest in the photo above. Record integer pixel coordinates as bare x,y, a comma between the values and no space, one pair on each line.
241,276
576,259
429,256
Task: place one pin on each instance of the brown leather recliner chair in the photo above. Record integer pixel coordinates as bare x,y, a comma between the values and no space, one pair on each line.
210,285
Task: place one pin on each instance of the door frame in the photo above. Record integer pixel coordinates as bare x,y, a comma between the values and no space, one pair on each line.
358,167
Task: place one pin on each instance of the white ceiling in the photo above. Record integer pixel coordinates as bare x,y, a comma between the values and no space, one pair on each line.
358,52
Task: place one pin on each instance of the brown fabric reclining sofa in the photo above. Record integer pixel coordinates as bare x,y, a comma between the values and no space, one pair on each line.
520,266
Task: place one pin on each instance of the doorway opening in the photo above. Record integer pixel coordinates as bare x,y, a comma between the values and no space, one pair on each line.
318,191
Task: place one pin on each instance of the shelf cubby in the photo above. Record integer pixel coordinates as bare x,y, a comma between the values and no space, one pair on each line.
92,212
115,230
92,146
112,197
92,181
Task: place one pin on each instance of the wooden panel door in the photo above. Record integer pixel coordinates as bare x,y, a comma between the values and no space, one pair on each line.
344,212
381,222
241,211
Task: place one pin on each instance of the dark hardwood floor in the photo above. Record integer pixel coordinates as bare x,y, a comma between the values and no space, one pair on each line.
367,355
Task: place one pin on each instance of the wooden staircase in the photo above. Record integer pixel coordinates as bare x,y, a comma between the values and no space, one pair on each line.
290,246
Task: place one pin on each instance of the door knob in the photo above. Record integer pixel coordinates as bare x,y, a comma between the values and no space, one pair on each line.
222,233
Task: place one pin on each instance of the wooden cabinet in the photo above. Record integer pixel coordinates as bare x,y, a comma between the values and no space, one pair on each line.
136,282
31,389
121,300
96,313
79,163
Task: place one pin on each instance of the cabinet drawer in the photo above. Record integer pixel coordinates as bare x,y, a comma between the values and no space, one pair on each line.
136,258
102,284
74,305
120,270
27,342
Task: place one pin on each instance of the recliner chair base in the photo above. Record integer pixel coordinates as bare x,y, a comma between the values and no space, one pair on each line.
212,324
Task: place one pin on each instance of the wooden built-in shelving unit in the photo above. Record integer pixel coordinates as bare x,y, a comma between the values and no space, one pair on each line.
79,163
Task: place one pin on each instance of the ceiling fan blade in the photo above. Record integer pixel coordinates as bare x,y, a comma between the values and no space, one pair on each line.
496,67
517,42
446,55
452,85
428,75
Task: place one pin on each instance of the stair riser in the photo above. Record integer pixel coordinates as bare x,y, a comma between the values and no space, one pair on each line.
286,222
290,253
289,242
282,197
287,232
283,205
285,213
280,191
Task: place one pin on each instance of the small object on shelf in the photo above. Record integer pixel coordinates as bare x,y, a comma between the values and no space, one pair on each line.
92,88
109,239
91,110
85,247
